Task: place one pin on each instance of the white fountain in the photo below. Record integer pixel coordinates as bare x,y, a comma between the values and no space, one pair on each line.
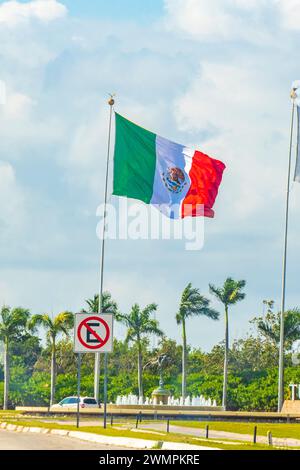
199,401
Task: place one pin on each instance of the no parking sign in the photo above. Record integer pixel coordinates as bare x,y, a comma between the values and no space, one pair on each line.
93,333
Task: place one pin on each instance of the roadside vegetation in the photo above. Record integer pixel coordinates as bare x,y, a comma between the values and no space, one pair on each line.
38,372
118,431
283,430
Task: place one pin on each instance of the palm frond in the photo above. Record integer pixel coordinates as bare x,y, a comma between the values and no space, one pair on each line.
194,304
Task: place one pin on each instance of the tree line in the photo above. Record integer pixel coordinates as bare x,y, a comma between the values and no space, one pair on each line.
32,374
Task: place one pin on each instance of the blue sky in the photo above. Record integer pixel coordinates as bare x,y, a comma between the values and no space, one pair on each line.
118,9
115,8
215,76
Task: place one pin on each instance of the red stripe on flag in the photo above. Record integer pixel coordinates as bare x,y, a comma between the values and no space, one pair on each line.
206,176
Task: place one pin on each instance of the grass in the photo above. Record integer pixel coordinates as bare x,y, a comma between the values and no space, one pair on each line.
277,429
111,431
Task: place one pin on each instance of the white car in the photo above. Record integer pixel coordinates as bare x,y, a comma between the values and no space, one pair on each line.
71,402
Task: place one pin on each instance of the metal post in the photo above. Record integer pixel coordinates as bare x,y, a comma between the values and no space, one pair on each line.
105,392
254,434
206,431
281,347
78,388
111,102
270,438
168,425
97,377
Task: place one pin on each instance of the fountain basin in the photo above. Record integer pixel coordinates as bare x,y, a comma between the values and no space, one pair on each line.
160,396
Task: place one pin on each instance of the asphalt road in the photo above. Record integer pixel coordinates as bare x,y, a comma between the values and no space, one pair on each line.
27,441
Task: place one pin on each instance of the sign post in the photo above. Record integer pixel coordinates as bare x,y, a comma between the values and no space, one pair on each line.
78,388
93,333
105,392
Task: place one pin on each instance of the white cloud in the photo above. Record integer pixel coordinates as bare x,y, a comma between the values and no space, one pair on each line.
214,19
2,92
290,12
11,200
23,127
199,18
231,19
12,12
18,105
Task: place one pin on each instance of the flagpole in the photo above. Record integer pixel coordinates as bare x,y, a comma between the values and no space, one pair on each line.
281,346
111,103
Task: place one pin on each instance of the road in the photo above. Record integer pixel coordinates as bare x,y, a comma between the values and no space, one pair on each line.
27,441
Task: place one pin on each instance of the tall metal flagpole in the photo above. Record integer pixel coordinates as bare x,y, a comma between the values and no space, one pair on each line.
281,347
111,103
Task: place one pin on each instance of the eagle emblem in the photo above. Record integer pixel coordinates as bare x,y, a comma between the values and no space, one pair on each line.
174,179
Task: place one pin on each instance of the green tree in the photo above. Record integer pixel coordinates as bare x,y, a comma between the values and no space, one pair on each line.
27,351
139,323
61,324
192,304
172,366
251,354
269,327
108,305
12,326
229,294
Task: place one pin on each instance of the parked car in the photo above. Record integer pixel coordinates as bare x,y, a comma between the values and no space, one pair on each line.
71,402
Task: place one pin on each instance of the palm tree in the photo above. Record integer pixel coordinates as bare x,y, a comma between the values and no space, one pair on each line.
108,305
269,327
13,324
192,304
61,324
229,294
139,324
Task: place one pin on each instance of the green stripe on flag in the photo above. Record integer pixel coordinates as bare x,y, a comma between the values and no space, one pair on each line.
134,161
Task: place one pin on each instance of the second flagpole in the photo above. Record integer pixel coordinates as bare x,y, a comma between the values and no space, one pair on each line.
281,345
111,103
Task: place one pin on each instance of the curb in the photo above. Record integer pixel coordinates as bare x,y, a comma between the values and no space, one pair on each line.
129,442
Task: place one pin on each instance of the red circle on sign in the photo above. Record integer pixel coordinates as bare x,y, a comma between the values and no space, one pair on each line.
102,342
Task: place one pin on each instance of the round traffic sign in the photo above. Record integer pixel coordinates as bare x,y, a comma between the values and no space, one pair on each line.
85,325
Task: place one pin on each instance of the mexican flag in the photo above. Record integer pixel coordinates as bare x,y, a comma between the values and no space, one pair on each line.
179,181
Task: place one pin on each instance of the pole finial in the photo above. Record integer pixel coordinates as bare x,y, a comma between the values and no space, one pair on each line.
111,100
294,93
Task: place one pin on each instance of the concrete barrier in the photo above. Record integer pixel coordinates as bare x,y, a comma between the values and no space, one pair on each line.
36,430
291,407
60,432
11,427
34,409
171,412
